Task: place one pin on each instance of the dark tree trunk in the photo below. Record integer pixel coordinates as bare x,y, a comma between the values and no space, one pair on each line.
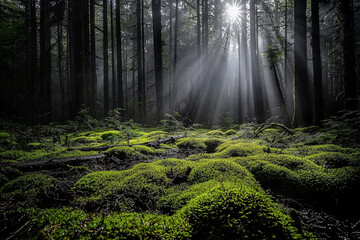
206,25
60,67
317,66
78,63
113,74
156,9
170,73
34,72
303,109
120,91
92,58
105,57
45,62
198,28
257,85
174,90
141,82
244,49
347,11
86,56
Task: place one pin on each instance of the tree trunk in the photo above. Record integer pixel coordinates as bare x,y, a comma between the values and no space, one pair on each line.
61,79
347,11
105,57
120,92
113,74
174,90
86,56
34,71
317,66
141,85
92,58
45,62
156,9
303,109
257,85
198,29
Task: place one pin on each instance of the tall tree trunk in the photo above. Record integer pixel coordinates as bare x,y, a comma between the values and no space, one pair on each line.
33,84
60,66
198,29
257,85
120,91
156,10
174,90
206,25
45,61
113,74
86,55
244,53
92,58
141,85
170,80
303,109
28,59
317,66
78,63
105,57
347,11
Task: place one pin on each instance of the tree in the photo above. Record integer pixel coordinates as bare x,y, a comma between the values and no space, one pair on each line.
105,57
347,11
156,9
139,49
120,91
45,62
317,68
92,58
303,109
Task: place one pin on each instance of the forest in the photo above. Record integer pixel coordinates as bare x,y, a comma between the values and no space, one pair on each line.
179,119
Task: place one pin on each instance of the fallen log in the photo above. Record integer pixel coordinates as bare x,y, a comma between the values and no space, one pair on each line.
54,163
150,144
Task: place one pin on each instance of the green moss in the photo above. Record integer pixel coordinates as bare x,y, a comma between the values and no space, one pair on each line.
124,152
230,132
76,224
111,136
220,170
191,143
238,214
331,148
4,137
12,154
144,149
35,146
216,133
212,144
8,173
85,140
239,150
332,159
30,188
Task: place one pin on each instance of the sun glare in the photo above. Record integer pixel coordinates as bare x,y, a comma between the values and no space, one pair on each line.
232,12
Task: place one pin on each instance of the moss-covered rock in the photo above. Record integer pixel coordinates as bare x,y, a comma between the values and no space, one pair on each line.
333,160
238,214
29,189
124,152
144,149
230,132
111,135
216,133
242,149
191,143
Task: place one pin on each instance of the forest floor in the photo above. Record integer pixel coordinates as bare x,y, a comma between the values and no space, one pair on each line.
119,180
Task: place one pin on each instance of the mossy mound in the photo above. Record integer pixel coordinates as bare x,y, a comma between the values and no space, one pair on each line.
220,170
239,150
76,224
4,137
216,133
230,132
144,149
124,152
133,189
85,140
238,214
191,143
111,135
212,144
30,189
333,160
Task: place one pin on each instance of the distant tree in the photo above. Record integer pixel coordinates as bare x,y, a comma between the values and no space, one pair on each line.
347,11
105,57
303,109
120,91
156,10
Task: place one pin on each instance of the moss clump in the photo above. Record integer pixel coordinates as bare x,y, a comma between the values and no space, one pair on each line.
7,174
144,149
191,143
111,136
76,224
4,137
330,148
85,140
240,150
220,170
29,189
124,152
230,132
212,144
216,133
238,214
333,159
134,189
35,146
